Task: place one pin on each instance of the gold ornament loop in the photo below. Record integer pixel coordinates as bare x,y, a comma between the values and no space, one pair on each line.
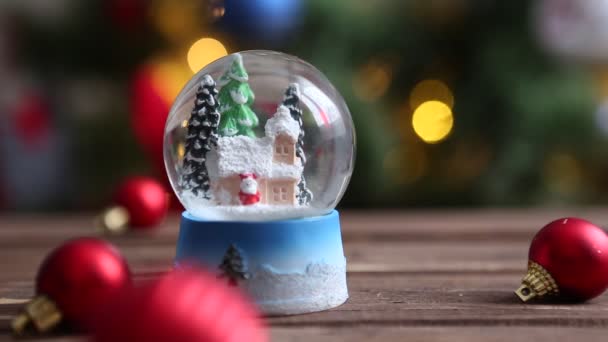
537,283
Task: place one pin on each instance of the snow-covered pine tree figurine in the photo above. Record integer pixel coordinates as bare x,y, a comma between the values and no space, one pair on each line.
291,100
201,138
235,99
234,266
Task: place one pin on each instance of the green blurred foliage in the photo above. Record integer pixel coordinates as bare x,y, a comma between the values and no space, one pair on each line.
515,105
524,132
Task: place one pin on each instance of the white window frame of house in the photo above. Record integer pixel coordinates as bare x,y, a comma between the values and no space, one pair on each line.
282,150
276,193
279,193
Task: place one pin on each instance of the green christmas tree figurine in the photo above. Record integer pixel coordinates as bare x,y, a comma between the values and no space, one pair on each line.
235,97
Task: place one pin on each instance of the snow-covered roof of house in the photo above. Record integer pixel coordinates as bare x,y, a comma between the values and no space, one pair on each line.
282,123
282,170
241,154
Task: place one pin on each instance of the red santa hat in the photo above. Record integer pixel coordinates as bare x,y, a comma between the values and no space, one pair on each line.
248,175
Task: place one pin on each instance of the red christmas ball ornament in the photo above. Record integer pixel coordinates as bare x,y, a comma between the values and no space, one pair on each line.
568,257
153,87
145,199
183,305
73,284
149,111
140,203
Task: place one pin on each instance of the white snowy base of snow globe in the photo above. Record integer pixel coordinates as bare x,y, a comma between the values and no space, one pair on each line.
287,267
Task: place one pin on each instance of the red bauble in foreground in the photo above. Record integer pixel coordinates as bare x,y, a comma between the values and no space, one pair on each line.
569,258
183,305
73,283
145,200
81,276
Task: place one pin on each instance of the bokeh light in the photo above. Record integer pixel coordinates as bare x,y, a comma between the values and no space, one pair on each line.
433,121
405,164
217,10
176,20
372,81
429,90
169,76
465,163
562,173
181,151
203,52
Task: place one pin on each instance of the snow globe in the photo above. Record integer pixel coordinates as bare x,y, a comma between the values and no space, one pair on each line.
259,148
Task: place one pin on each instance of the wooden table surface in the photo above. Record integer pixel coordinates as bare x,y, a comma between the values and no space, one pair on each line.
412,276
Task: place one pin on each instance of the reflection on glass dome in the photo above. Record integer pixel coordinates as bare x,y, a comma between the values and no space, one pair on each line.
271,139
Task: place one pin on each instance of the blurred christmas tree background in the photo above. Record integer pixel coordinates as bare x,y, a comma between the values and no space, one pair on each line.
456,102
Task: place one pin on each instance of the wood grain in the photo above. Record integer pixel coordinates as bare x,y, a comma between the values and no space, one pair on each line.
437,334
415,276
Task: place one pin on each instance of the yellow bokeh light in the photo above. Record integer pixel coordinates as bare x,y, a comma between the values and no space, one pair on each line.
203,52
433,121
563,173
429,90
601,80
177,21
185,123
477,154
372,81
405,164
181,151
169,77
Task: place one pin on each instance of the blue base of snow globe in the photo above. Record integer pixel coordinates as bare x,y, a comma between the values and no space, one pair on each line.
287,267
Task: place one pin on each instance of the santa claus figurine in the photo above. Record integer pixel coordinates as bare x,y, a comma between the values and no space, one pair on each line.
249,193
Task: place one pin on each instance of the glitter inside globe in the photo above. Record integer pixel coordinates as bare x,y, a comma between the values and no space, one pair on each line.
258,136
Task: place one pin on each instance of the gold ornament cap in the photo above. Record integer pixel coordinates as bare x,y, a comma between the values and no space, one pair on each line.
537,283
114,220
40,315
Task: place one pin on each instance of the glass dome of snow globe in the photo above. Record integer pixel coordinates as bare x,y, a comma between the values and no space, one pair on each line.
259,136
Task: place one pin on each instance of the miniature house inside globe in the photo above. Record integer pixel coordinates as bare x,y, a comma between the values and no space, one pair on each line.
259,136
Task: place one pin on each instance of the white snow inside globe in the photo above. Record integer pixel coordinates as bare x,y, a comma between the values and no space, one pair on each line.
259,136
